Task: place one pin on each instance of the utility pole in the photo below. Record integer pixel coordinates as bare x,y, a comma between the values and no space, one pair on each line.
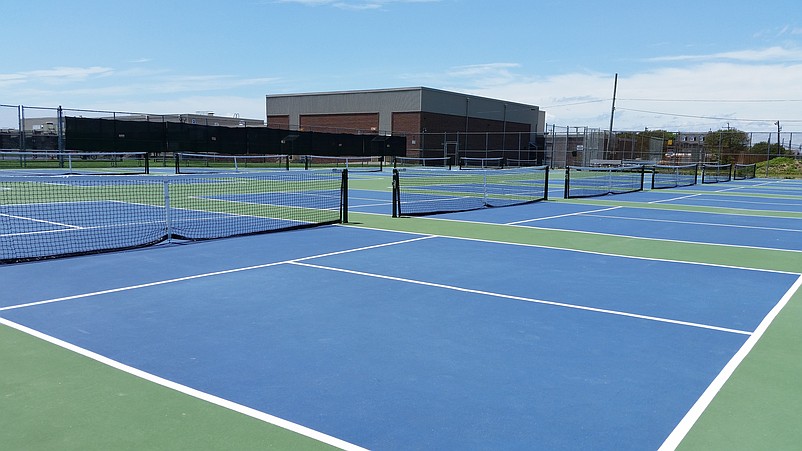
778,137
612,114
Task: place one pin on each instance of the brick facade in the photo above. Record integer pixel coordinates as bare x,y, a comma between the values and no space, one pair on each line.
357,123
279,121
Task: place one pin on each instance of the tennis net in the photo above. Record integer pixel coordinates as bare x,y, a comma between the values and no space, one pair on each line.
665,176
42,217
520,163
481,163
199,163
419,162
715,173
419,192
47,162
338,163
744,171
583,181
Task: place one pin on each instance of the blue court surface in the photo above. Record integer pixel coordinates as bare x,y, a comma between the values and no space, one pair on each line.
782,233
392,340
365,337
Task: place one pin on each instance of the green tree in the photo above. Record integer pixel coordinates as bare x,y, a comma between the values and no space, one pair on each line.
640,145
764,149
726,145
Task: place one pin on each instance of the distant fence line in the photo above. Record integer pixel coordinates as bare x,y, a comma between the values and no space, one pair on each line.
63,129
44,128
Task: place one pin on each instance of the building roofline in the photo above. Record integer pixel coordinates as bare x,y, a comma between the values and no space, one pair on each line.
387,90
355,91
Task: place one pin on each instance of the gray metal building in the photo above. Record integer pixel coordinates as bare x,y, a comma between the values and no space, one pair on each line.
435,122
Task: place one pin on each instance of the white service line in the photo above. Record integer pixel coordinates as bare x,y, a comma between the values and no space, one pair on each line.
521,298
209,274
578,213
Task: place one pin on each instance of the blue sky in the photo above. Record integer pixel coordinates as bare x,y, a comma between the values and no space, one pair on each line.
682,65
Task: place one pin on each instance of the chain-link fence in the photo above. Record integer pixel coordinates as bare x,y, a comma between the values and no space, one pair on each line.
45,128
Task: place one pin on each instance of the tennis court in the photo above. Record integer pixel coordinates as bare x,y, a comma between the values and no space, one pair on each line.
603,323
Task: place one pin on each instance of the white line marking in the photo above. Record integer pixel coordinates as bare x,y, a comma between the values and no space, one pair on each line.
210,274
690,418
701,243
25,218
578,213
525,299
230,405
755,202
714,224
673,199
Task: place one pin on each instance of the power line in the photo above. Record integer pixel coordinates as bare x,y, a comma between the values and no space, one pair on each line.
716,100
576,103
662,113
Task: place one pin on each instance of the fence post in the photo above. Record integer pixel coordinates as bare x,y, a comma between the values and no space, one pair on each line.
22,128
60,129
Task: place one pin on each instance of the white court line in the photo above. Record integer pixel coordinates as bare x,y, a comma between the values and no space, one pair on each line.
525,299
690,418
632,237
209,274
674,198
230,405
756,202
713,224
564,215
25,218
380,204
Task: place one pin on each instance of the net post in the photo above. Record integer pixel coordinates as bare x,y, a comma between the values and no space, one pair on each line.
147,162
642,173
344,198
287,162
396,195
306,163
484,184
167,215
546,185
567,181
177,164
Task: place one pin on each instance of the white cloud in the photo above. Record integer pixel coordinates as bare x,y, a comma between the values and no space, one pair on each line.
223,106
65,74
770,54
102,82
750,95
